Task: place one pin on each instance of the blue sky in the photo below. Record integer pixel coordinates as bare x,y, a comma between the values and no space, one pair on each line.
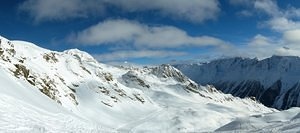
156,31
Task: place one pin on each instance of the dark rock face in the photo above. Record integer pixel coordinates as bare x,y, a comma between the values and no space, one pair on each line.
243,89
290,98
252,89
272,96
274,81
269,96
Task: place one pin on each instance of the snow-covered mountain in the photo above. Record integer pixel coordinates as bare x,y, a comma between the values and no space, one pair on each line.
69,91
274,81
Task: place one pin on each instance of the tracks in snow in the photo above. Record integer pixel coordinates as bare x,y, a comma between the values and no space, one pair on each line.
129,127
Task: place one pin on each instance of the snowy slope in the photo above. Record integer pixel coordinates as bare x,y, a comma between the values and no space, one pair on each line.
285,121
273,81
49,91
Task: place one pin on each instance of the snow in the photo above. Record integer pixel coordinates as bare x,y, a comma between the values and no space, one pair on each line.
237,75
18,116
237,69
284,121
24,109
71,92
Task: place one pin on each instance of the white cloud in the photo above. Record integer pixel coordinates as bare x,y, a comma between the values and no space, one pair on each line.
278,19
263,46
284,21
133,54
147,41
292,36
260,40
260,47
141,36
195,11
268,6
282,24
111,31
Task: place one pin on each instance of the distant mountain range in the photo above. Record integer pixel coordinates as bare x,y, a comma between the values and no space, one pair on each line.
274,81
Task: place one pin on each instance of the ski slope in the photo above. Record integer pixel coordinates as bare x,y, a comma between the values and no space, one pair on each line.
284,121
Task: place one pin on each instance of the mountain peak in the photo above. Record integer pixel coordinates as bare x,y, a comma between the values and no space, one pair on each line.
80,55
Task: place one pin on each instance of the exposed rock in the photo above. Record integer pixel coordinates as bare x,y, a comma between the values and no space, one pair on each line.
50,57
21,70
139,97
103,90
132,77
1,51
85,69
108,77
168,71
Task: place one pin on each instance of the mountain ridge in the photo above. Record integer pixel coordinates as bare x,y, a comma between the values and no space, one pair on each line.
272,80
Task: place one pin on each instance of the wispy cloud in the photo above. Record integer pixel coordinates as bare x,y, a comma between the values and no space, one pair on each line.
140,35
260,40
195,11
133,54
267,6
60,10
241,2
192,10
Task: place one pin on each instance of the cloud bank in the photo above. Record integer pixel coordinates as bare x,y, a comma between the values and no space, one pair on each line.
137,40
140,35
284,21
